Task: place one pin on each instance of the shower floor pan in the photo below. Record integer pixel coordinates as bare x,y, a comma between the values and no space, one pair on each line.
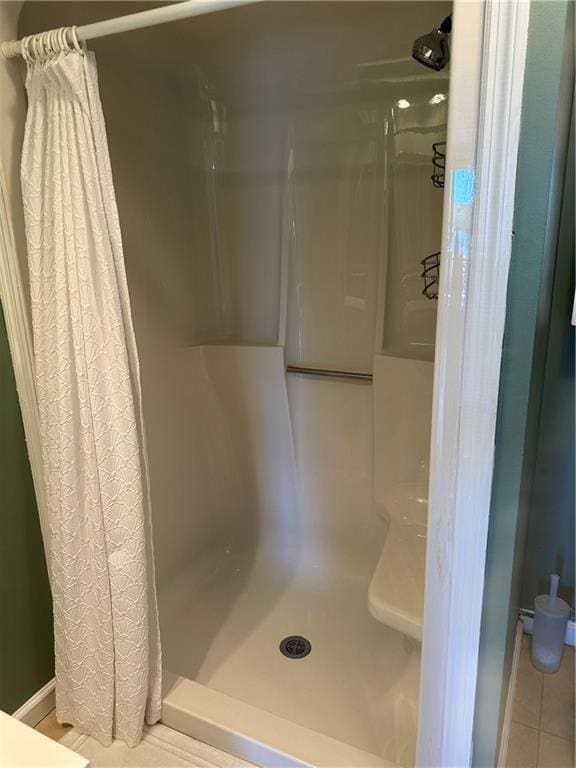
352,701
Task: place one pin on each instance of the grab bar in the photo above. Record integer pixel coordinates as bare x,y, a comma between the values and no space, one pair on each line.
329,374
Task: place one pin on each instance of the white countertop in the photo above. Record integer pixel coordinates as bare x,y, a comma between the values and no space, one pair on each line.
23,747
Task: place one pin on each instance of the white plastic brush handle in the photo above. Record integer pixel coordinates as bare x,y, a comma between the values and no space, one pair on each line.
554,583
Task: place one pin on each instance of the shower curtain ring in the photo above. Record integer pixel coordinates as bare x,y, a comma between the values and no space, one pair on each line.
43,45
53,42
39,43
29,49
62,43
24,48
76,43
34,47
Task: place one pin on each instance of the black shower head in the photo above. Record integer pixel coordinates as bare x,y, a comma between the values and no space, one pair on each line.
431,49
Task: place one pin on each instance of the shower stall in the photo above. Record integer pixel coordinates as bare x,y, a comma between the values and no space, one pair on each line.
278,170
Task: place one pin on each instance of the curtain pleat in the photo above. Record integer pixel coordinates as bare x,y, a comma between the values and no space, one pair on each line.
108,665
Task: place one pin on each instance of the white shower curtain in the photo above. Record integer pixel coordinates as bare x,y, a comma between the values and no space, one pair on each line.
108,669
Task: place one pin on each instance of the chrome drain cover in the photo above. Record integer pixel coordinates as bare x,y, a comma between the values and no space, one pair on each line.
295,647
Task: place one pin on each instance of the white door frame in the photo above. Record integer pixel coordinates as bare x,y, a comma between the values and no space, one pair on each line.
487,73
487,69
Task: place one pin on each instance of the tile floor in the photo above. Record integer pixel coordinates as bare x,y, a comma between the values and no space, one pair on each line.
161,747
542,730
50,727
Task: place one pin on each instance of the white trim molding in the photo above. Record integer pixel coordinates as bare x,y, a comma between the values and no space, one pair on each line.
487,73
38,706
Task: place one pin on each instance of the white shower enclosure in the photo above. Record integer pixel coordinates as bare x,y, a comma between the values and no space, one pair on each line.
273,165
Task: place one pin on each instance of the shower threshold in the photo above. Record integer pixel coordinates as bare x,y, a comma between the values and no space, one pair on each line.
253,734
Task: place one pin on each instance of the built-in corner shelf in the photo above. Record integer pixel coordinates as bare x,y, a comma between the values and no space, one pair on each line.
396,594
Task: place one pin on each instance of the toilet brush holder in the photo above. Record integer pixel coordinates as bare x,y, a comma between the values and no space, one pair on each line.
550,620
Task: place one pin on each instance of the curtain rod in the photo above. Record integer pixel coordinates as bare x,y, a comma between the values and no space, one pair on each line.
151,18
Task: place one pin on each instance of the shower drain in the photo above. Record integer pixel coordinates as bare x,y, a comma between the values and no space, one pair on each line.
295,647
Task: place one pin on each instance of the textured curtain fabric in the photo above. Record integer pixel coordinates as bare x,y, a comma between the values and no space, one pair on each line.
108,668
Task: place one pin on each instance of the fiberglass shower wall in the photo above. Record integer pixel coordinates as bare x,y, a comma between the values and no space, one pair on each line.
271,168
362,214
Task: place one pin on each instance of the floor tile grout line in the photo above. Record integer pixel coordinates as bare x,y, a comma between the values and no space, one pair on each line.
530,727
556,735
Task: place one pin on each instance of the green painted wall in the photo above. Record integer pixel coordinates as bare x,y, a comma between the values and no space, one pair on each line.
523,353
26,644
551,531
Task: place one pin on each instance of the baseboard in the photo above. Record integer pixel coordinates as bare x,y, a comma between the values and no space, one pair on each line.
570,638
505,735
38,706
